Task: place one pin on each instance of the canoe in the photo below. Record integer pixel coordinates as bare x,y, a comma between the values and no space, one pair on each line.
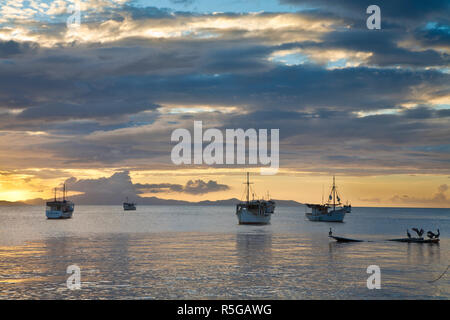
341,239
415,240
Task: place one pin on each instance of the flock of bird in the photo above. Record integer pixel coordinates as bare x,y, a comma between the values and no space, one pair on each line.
420,232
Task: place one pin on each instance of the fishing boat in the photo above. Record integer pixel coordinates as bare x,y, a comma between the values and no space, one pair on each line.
416,240
434,238
58,209
332,211
348,208
254,211
129,206
342,239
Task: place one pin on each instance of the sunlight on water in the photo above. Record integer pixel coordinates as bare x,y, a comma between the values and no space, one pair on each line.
201,253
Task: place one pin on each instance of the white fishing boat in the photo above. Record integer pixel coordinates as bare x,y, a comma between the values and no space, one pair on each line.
129,206
254,211
332,211
57,209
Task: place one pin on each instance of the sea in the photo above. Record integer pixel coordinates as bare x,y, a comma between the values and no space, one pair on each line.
201,252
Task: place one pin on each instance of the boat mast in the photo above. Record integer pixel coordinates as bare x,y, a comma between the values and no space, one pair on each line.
322,195
334,194
248,183
55,193
248,187
64,192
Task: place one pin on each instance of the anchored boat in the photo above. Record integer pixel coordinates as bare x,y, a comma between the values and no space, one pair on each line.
433,238
60,209
415,240
332,211
255,211
129,206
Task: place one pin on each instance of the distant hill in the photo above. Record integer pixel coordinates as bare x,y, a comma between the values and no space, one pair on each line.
233,201
80,200
36,202
11,204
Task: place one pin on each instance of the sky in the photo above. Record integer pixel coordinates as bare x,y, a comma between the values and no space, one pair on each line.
95,106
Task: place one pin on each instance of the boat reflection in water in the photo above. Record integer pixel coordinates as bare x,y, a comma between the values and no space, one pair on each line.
254,249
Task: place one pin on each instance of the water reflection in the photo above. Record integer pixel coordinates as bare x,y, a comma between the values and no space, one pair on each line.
255,263
252,263
254,249
423,253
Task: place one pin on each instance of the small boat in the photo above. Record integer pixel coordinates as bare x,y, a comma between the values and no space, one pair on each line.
348,208
415,240
129,206
332,211
60,209
342,239
255,211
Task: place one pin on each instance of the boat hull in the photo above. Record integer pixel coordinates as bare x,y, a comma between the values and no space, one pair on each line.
247,217
342,239
54,214
332,216
129,207
415,240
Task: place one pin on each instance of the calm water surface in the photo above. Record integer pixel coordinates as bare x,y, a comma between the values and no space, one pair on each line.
162,252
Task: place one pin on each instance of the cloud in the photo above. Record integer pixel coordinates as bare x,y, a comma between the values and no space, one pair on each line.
202,187
371,200
185,2
11,48
195,187
376,101
442,188
399,11
119,186
439,199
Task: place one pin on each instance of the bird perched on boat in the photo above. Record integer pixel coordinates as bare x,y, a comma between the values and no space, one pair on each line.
408,234
433,235
330,233
419,232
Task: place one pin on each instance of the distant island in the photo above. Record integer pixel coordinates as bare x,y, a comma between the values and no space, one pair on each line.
11,203
81,200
